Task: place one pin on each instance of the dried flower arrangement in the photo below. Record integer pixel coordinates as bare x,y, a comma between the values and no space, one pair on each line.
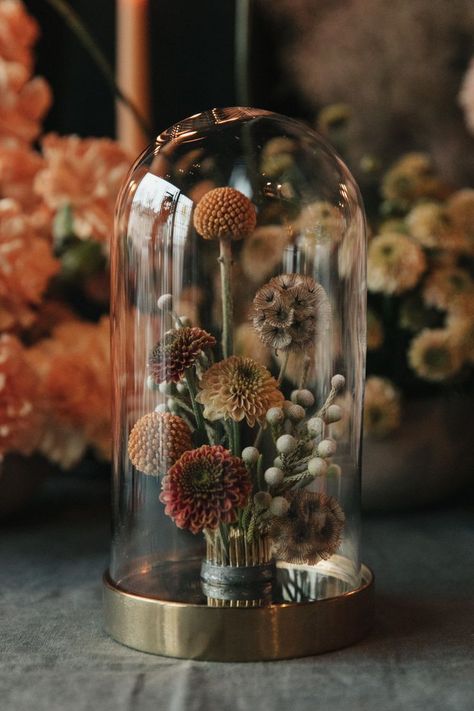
251,501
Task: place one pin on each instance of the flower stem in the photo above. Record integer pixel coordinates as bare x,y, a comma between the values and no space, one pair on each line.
74,22
192,394
225,261
283,368
236,438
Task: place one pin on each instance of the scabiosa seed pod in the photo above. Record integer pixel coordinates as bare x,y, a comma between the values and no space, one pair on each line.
157,440
177,351
290,311
225,212
311,530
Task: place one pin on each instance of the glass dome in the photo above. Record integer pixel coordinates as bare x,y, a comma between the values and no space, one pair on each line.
238,312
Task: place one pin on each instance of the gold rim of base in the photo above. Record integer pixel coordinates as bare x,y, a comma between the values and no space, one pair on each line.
229,634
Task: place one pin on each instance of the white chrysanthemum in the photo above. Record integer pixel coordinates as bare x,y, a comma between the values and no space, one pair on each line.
381,407
428,224
321,221
435,355
395,263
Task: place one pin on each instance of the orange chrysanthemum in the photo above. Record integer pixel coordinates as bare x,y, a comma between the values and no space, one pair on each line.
157,440
204,488
225,212
238,388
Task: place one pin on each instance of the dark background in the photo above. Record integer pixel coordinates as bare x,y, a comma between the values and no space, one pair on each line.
192,59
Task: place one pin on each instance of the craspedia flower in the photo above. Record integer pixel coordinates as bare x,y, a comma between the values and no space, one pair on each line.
157,440
444,288
395,263
311,530
434,355
238,388
290,311
205,487
382,409
177,351
225,212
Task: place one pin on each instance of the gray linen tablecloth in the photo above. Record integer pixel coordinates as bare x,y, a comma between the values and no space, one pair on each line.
56,657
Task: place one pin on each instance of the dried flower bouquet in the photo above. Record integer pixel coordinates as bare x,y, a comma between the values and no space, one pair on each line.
236,458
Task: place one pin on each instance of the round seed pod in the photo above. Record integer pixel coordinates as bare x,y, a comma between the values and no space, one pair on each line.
279,506
250,455
317,466
338,381
275,416
315,426
326,448
165,302
285,444
225,212
295,413
273,476
157,440
333,413
305,398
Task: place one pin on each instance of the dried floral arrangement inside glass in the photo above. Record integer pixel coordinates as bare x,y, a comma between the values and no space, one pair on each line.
239,342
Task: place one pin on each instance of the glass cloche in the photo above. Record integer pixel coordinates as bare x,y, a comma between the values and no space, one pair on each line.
238,313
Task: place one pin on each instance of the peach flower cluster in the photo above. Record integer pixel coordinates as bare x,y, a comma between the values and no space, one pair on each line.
26,266
73,368
24,99
84,174
20,418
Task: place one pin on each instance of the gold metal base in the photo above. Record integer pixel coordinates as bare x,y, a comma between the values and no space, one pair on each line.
232,634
